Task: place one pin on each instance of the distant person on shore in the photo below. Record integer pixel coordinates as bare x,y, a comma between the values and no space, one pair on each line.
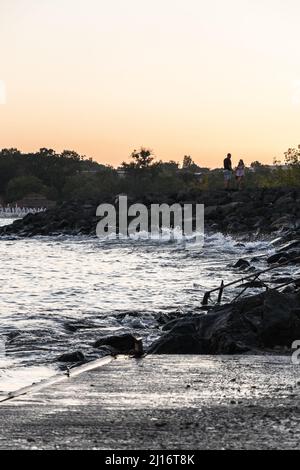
228,172
240,174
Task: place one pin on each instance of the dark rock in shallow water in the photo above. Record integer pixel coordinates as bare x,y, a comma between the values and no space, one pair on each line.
242,264
293,256
123,344
278,258
76,356
257,323
12,335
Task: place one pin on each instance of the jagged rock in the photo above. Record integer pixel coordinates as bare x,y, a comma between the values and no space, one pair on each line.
284,222
258,323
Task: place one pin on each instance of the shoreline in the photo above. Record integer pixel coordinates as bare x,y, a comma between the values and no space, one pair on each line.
203,398
216,327
243,328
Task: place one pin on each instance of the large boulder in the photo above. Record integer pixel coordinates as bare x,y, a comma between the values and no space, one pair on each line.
122,344
258,323
242,264
281,257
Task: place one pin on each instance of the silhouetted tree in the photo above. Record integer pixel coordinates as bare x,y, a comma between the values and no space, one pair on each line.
292,156
187,162
189,165
256,164
142,158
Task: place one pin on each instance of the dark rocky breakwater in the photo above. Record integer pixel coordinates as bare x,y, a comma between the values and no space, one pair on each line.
251,212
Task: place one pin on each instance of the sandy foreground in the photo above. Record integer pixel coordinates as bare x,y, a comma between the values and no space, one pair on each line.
162,402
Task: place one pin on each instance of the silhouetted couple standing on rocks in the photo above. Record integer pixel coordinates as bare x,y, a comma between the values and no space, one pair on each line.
229,172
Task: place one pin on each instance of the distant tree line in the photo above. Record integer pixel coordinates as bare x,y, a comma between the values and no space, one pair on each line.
68,175
44,172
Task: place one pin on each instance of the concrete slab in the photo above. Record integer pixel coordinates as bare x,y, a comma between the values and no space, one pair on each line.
162,402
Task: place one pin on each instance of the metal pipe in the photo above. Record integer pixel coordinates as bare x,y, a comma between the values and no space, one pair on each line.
254,275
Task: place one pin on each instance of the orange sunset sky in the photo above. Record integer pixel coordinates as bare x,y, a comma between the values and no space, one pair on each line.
196,77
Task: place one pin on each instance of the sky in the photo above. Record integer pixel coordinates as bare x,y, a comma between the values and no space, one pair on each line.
182,77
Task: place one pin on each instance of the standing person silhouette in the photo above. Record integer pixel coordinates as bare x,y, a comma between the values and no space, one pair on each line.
228,172
240,174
